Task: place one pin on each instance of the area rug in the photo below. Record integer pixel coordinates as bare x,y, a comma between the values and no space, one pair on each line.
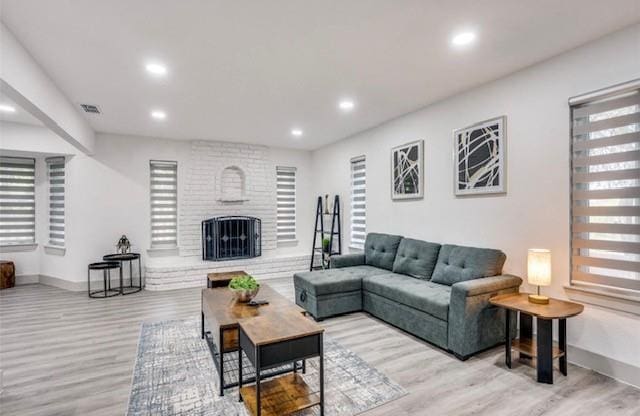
174,374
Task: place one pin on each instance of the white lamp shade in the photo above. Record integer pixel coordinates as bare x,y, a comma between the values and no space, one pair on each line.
539,267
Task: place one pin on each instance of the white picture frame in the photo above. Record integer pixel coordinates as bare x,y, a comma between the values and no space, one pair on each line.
407,171
479,158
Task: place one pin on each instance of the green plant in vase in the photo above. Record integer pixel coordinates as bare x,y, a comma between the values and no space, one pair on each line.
244,288
325,245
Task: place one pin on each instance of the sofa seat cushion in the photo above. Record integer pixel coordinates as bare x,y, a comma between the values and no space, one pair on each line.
365,270
428,297
330,281
380,250
416,258
458,264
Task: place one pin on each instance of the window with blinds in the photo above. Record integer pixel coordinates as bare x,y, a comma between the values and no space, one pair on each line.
358,202
606,189
17,201
55,168
164,204
286,209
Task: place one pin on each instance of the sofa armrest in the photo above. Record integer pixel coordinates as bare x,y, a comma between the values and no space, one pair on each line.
474,324
485,285
346,260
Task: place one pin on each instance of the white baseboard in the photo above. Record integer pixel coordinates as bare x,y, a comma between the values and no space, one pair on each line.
618,370
27,279
66,284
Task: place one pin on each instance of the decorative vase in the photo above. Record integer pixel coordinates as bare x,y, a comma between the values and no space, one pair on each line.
245,295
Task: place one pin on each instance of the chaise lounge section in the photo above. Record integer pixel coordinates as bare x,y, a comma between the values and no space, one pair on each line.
439,293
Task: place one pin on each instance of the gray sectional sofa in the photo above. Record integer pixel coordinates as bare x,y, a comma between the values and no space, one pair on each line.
439,293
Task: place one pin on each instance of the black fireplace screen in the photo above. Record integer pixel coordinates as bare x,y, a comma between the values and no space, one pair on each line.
228,238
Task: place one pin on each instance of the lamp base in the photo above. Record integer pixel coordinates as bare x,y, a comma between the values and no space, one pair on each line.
539,299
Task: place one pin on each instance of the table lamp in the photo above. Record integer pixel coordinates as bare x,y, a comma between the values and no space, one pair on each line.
539,272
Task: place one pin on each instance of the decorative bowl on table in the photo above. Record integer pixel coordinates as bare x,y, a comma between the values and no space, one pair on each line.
244,288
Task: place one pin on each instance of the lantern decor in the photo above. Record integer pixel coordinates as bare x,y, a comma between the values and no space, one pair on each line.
123,245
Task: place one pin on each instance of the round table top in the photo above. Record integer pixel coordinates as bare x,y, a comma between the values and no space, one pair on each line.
104,265
121,256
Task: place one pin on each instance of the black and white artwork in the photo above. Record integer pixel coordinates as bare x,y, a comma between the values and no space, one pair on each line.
407,171
480,153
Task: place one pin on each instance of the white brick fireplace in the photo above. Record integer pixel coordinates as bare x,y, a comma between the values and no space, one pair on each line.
223,179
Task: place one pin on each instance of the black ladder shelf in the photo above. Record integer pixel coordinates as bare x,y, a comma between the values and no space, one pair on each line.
334,235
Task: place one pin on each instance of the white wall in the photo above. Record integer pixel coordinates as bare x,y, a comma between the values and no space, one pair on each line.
535,210
108,195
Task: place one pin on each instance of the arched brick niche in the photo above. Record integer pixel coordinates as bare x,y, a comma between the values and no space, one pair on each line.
232,184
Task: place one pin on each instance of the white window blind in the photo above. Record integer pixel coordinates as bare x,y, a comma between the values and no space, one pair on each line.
164,204
358,202
17,201
55,167
286,198
606,190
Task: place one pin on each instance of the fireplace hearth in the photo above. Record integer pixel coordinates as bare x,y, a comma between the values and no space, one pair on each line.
231,237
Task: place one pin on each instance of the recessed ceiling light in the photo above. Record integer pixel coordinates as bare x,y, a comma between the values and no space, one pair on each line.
5,108
156,69
346,105
463,38
296,132
158,115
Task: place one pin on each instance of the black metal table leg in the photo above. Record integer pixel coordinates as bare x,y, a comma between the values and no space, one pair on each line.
221,358
140,272
202,325
121,278
239,371
545,350
507,343
106,288
258,380
321,371
562,338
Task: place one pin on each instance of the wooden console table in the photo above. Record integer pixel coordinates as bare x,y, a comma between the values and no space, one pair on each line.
543,349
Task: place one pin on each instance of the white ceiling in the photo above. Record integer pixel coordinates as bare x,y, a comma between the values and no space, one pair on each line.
19,116
249,71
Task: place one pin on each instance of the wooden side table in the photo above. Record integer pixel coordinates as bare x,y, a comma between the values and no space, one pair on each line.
222,279
272,340
7,274
543,349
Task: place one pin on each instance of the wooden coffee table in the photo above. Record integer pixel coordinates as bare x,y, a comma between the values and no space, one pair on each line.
222,313
274,340
543,349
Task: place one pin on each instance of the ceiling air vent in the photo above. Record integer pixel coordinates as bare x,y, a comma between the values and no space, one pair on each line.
89,108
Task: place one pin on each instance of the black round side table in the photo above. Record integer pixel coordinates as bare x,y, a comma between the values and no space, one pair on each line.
130,257
106,267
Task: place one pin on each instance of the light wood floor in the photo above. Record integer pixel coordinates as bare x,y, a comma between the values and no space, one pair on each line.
65,354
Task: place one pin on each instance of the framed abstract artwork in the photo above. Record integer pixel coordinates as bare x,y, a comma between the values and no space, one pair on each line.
480,158
407,171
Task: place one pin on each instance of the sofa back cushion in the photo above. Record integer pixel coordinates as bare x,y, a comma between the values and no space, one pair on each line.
416,258
458,264
380,250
